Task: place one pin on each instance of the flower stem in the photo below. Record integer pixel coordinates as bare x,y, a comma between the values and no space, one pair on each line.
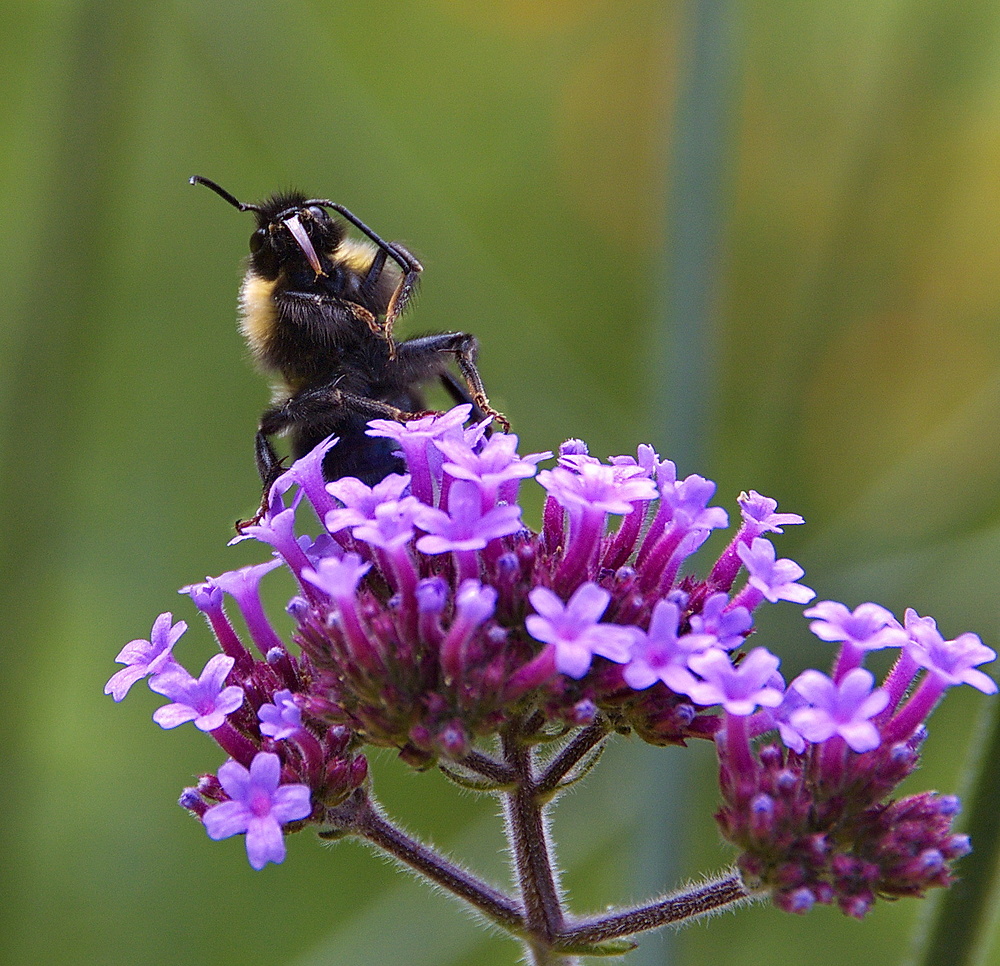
538,920
489,768
528,836
678,907
362,816
560,766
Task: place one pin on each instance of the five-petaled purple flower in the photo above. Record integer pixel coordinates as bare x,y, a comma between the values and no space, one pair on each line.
952,662
283,718
741,689
258,805
774,579
204,700
144,657
659,654
843,708
465,526
573,628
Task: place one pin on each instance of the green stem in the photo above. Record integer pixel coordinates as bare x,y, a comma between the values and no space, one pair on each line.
965,915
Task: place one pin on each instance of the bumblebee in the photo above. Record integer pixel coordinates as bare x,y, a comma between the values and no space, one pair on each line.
317,309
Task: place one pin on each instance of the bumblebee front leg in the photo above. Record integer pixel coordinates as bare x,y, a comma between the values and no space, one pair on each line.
270,466
404,290
405,259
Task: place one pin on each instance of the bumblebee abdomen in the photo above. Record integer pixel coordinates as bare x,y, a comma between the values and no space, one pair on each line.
369,458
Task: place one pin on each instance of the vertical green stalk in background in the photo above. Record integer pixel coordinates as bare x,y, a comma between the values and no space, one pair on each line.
683,353
53,339
701,150
962,920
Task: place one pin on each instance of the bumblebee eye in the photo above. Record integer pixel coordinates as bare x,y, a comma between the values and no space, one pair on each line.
257,240
318,213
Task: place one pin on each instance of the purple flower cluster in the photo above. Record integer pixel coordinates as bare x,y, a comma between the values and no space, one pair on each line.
812,816
283,768
429,614
429,617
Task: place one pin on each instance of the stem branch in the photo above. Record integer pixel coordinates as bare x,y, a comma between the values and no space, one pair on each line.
675,908
488,767
362,816
563,763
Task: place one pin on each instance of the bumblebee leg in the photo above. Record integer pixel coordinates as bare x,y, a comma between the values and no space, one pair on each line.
404,290
374,271
406,260
269,465
420,352
459,392
273,421
363,315
326,400
320,406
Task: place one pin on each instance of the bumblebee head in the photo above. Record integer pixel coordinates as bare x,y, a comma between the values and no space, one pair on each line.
292,231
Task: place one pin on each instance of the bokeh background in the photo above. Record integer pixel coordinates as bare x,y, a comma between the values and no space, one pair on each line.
763,236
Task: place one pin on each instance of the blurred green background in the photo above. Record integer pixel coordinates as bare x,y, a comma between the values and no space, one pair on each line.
846,362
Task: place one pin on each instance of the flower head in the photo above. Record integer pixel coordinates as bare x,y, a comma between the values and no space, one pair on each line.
430,619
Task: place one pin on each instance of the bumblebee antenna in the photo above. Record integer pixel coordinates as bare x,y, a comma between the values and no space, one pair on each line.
399,254
222,193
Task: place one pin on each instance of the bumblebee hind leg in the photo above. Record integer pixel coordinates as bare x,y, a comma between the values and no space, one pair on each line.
311,416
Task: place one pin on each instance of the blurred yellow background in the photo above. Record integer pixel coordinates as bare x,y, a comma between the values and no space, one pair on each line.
528,151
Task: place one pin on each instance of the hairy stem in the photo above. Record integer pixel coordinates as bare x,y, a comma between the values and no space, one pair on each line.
560,766
366,819
675,908
528,838
538,920
488,767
